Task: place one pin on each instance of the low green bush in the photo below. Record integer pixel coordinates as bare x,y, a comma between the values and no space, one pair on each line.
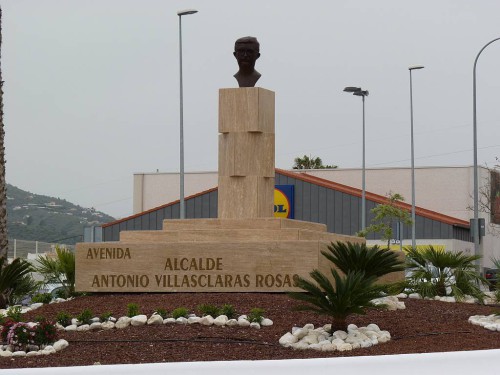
180,312
229,311
132,310
207,309
85,316
105,316
162,312
15,313
41,298
256,315
63,318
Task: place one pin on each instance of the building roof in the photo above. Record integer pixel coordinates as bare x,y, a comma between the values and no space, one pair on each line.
329,185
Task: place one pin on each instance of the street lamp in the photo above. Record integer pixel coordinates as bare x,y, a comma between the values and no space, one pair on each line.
182,208
360,92
475,229
413,241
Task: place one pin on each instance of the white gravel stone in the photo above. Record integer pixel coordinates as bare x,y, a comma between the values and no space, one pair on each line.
266,322
287,339
19,353
155,319
95,326
169,321
35,306
232,323
221,320
352,327
340,335
255,325
108,325
243,323
402,295
75,321
309,326
414,296
181,320
123,322
138,320
194,319
207,320
83,328
59,327
5,353
344,347
60,345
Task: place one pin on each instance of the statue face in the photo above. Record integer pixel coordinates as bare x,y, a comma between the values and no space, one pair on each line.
246,54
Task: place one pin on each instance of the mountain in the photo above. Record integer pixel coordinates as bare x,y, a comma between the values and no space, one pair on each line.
42,218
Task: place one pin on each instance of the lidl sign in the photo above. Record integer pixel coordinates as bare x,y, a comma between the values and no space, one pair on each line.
284,201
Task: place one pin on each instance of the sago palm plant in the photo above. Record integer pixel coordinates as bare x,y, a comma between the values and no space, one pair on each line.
10,276
60,269
436,272
373,261
350,294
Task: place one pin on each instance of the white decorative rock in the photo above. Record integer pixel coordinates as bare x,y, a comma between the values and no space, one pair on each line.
5,353
83,328
108,325
194,319
112,319
287,339
402,295
207,320
95,326
221,320
309,326
344,347
328,347
155,319
310,339
255,325
19,353
243,323
138,320
414,296
314,347
243,317
75,321
300,345
352,327
266,322
300,332
181,320
232,323
95,319
35,306
50,349
59,327
71,328
123,322
60,345
169,321
340,335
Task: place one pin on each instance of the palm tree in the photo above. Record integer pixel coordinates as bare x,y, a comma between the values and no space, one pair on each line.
60,269
3,190
10,276
351,294
310,162
436,272
372,261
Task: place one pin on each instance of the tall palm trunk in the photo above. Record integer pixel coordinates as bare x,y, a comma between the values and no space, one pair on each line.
3,190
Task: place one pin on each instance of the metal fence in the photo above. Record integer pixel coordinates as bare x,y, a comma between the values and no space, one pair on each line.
21,248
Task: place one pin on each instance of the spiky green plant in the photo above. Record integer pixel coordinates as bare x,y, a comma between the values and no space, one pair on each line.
350,294
436,272
60,269
10,276
373,261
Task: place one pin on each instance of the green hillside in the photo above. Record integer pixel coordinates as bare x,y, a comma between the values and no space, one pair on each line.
42,218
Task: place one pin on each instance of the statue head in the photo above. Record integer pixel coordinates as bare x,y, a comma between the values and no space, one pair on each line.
246,51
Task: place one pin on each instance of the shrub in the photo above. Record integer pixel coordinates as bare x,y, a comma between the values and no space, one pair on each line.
162,312
132,309
62,269
11,276
41,298
256,315
6,324
180,312
20,335
207,309
45,333
436,272
15,313
228,310
85,317
105,316
63,318
352,294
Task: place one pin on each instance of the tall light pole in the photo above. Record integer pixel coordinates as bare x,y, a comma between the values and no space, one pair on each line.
475,229
413,241
360,92
182,208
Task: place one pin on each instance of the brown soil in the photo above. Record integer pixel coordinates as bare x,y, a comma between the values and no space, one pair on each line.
424,326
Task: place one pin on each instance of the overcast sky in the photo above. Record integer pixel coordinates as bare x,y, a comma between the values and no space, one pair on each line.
91,91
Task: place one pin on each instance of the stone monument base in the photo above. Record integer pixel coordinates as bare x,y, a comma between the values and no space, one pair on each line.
208,255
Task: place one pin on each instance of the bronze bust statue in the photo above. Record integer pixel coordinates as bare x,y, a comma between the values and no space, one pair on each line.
246,51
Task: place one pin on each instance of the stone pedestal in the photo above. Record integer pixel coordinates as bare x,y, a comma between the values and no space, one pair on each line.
246,153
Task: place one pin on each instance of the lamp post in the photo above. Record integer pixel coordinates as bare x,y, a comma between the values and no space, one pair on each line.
475,229
413,241
360,92
182,208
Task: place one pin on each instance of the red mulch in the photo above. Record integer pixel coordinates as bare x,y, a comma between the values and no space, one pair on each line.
423,327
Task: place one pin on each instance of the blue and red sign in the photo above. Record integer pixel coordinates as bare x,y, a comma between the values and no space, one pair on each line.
284,201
